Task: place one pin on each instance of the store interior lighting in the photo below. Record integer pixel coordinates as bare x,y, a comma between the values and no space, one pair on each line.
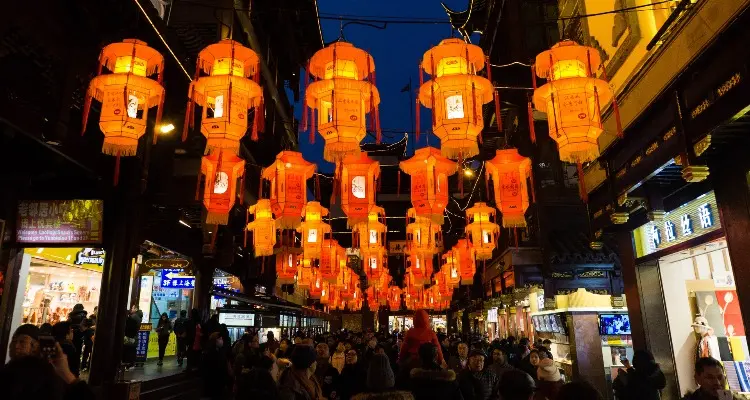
166,128
185,223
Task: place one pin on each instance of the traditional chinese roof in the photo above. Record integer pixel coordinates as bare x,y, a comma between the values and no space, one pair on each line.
471,20
566,247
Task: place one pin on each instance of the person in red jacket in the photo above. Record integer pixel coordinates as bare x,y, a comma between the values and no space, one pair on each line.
421,333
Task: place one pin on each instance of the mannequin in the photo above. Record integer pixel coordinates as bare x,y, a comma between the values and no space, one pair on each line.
708,344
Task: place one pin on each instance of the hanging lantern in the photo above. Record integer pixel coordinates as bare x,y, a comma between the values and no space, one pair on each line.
305,274
394,298
263,228
422,234
327,294
443,290
343,95
342,282
381,286
456,95
371,234
226,94
465,255
429,182
450,269
316,285
288,176
572,99
509,171
330,260
482,229
313,230
286,268
351,283
126,95
358,175
373,298
373,262
419,268
222,170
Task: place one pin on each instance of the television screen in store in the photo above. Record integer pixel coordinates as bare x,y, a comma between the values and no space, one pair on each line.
614,324
554,322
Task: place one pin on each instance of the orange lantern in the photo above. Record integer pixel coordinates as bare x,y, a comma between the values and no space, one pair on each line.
331,260
482,229
358,175
222,170
288,176
450,269
465,255
344,278
263,228
572,99
509,171
373,262
226,94
126,95
441,286
422,234
373,298
329,294
343,95
305,274
456,95
371,233
286,268
429,182
419,268
394,298
316,285
313,230
351,284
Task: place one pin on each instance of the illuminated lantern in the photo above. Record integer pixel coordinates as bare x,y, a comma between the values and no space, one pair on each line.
572,99
482,229
313,230
371,234
226,94
373,298
126,94
456,95
263,228
443,290
316,285
343,95
305,274
222,170
422,235
509,171
344,278
288,176
286,268
450,269
327,293
394,298
351,284
373,262
429,182
330,260
358,175
464,254
419,268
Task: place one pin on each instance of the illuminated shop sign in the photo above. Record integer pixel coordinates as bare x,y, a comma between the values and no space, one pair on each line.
90,256
690,220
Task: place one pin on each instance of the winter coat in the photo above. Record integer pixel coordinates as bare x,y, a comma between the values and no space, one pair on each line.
434,384
164,329
132,324
547,390
632,384
352,380
454,363
327,376
338,360
701,395
394,395
290,387
478,385
421,333
500,369
257,384
76,318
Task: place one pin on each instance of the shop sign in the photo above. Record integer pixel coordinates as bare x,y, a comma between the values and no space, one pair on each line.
180,282
691,220
60,221
141,345
167,263
550,304
89,256
397,247
237,319
223,282
492,315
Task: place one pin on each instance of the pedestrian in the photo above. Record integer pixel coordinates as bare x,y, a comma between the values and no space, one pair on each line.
500,363
25,342
338,358
216,368
284,350
271,343
63,334
353,377
549,380
711,380
418,335
180,332
429,381
258,382
77,317
381,382
476,382
643,380
460,361
129,348
163,331
298,382
326,373
87,328
516,385
530,363
580,390
193,338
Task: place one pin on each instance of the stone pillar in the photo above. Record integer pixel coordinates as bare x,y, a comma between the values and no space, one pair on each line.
630,282
586,349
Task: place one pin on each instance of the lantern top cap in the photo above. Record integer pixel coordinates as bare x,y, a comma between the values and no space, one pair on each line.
228,48
345,51
507,156
567,50
480,207
314,206
428,156
453,48
132,47
261,204
229,160
289,160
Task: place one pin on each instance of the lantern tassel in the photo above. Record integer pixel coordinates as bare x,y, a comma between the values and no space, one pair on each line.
533,186
473,102
498,115
487,185
117,169
532,131
256,123
460,179
432,89
260,184
378,131
186,125
86,110
312,126
533,76
582,183
615,108
317,187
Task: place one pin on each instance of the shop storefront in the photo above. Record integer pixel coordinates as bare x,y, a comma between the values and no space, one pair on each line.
402,323
685,257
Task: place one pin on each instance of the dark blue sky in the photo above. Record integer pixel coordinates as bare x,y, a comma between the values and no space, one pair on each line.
396,50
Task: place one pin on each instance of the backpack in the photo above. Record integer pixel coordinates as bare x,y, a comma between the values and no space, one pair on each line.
179,326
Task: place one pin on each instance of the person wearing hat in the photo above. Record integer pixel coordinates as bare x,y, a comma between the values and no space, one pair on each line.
298,382
476,382
549,380
25,342
380,382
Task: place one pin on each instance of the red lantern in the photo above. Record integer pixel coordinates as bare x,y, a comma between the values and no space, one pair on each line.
429,182
482,229
263,228
394,298
422,234
371,233
330,260
373,262
465,255
222,170
305,274
316,285
313,230
288,176
327,294
286,268
358,176
419,268
509,172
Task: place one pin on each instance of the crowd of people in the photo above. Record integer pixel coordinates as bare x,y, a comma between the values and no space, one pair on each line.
419,364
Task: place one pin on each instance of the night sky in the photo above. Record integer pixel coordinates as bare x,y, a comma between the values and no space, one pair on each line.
397,51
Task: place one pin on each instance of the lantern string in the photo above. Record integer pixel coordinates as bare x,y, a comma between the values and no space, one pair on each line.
533,76
159,111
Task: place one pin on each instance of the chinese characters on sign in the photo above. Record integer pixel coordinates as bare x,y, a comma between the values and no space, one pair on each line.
180,282
704,214
59,221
